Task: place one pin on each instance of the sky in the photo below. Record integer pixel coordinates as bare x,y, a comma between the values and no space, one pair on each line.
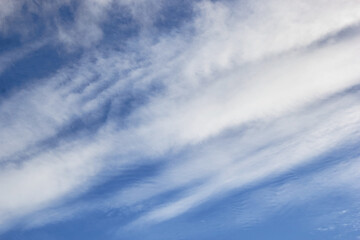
179,119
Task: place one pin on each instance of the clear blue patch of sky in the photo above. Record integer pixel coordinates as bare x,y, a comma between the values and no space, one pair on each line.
33,68
174,15
9,42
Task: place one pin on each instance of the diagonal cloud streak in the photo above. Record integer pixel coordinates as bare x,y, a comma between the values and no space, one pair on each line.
244,92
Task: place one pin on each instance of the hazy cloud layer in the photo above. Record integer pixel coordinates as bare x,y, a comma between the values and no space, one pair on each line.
230,97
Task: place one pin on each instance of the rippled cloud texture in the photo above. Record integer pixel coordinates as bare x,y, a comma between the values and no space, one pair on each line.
144,119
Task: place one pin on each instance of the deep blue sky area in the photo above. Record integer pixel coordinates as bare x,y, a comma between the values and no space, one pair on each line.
179,120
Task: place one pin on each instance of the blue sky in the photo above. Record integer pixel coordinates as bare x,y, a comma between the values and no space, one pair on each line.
155,119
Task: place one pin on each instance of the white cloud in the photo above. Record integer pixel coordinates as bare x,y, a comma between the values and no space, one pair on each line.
225,70
250,157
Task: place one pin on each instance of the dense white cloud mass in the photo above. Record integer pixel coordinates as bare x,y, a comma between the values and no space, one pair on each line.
242,92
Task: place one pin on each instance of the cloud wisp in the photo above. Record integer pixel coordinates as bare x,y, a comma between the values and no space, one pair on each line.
236,95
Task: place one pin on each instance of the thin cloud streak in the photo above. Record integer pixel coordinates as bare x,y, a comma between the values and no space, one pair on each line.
326,131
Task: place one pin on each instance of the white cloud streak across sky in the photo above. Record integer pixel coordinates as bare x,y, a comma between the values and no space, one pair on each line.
242,92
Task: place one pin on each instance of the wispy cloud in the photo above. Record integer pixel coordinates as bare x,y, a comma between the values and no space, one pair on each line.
242,93
233,164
